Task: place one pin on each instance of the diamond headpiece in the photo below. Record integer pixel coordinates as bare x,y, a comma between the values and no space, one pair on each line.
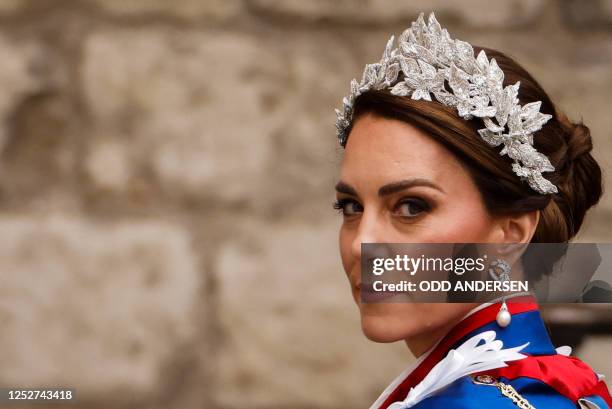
428,57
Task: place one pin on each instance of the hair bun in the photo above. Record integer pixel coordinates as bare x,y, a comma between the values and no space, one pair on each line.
579,141
583,178
577,136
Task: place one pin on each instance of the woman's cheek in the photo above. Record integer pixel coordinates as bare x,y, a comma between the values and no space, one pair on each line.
449,224
345,241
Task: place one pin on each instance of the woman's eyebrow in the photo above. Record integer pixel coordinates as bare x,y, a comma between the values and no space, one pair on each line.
342,187
405,184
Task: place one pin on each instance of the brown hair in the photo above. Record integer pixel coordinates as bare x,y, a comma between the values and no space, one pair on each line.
566,144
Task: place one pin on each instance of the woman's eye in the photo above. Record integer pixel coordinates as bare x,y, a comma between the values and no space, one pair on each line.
411,207
348,207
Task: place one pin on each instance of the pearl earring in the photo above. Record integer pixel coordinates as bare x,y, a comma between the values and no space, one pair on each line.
499,270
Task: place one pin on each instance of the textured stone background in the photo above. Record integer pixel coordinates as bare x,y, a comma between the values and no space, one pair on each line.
166,169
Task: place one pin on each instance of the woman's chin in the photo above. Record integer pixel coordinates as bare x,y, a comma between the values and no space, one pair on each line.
380,329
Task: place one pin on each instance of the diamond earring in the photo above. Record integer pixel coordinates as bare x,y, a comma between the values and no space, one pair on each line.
499,270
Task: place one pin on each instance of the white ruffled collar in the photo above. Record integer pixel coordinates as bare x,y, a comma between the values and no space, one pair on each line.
482,352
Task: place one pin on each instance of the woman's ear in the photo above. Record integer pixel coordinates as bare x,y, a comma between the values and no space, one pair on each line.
518,228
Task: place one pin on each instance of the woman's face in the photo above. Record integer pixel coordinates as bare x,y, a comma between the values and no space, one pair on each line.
399,185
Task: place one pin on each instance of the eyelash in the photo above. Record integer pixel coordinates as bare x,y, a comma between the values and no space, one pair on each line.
340,205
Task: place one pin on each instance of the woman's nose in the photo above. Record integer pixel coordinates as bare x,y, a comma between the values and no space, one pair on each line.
371,242
371,230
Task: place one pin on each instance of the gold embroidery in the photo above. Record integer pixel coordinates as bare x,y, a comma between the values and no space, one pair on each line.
505,389
510,392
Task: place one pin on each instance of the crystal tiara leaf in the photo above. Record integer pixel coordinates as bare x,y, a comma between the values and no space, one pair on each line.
428,58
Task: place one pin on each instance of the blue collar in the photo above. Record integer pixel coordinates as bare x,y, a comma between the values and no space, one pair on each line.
525,327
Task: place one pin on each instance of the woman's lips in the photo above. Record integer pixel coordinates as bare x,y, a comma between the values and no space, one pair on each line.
367,293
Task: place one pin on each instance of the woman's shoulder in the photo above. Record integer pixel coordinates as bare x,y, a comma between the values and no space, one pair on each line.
491,367
485,391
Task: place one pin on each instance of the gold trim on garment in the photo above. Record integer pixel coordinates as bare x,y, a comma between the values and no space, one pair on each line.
506,389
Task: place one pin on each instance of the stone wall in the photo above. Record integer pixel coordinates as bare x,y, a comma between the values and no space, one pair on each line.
166,170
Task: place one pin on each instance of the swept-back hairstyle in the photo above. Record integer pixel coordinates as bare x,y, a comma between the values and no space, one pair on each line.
567,144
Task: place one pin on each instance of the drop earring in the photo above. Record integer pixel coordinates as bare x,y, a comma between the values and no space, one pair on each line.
499,270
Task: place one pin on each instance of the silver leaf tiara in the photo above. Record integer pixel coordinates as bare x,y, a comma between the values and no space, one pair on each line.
428,57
